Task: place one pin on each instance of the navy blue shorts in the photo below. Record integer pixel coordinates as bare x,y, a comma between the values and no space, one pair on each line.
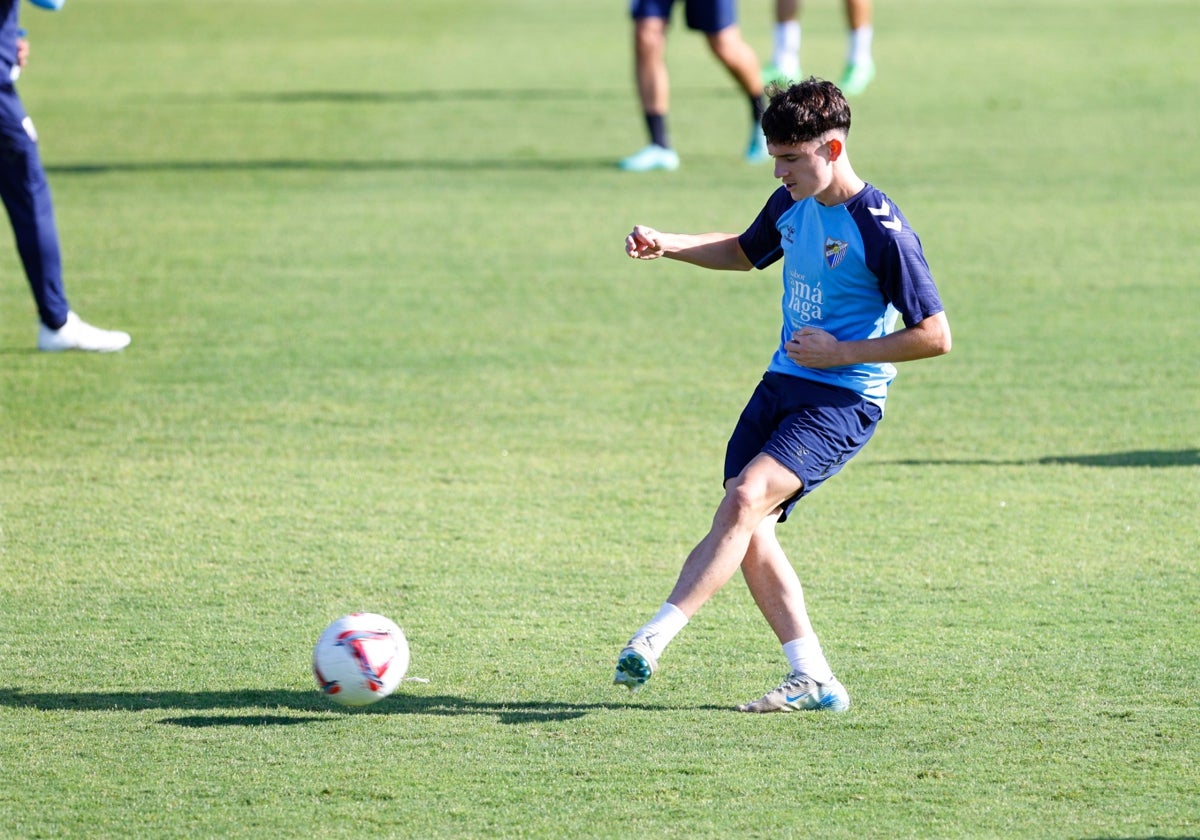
811,428
706,16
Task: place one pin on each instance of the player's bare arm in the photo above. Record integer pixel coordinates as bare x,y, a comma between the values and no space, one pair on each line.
816,348
719,251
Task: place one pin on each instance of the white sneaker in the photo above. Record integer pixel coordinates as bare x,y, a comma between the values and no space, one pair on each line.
635,665
801,693
78,334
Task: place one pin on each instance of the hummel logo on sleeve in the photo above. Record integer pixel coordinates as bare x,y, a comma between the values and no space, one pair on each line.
891,223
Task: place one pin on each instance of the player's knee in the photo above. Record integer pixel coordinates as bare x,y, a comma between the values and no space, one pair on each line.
746,499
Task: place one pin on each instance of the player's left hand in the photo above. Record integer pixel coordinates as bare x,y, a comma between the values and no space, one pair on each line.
813,348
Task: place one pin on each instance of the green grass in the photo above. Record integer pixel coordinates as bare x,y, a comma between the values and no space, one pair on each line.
388,356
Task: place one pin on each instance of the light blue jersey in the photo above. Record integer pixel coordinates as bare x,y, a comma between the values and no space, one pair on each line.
852,269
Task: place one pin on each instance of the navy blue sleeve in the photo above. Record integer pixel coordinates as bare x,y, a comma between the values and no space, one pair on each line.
10,9
894,255
906,280
761,242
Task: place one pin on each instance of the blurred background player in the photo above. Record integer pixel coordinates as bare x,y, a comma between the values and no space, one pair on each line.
785,51
717,19
26,196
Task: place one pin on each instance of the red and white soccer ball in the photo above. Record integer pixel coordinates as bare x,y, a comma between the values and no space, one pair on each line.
360,658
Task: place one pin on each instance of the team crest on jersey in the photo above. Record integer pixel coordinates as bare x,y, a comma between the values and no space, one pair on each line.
835,251
788,233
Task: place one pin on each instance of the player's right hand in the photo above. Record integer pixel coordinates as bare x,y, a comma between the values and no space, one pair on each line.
643,243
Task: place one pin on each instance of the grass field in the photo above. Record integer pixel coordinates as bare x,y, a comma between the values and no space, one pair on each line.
388,356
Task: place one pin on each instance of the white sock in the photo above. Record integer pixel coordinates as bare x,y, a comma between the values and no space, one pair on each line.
660,630
805,656
860,45
786,55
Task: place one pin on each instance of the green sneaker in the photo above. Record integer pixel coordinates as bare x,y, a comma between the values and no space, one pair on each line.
772,75
857,77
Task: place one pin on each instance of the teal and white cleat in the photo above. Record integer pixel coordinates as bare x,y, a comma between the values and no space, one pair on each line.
757,152
635,665
799,693
857,77
650,158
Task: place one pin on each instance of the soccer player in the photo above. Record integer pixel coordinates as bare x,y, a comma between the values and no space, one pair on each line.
717,19
851,267
785,57
26,196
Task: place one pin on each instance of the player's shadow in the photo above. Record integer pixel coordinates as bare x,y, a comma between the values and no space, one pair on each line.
460,162
487,96
279,707
514,164
1135,458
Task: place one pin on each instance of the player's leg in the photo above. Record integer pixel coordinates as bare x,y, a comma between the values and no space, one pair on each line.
759,489
785,46
774,585
26,196
638,661
821,429
858,13
860,64
776,590
740,60
653,87
717,19
650,65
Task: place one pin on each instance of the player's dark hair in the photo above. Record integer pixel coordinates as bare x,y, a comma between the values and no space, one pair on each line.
804,111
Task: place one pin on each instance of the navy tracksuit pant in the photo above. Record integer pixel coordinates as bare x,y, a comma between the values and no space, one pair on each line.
26,196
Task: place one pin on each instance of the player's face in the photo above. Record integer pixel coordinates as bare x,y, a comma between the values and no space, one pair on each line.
806,169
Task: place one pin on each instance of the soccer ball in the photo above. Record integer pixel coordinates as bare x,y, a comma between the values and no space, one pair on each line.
360,658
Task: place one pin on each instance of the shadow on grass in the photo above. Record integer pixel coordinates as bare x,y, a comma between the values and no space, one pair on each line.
205,721
416,97
452,163
400,703
488,96
333,165
1137,458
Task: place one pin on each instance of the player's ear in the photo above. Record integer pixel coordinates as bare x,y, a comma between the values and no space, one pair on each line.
835,149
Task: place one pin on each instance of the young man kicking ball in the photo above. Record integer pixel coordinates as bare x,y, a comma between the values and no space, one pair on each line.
851,268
